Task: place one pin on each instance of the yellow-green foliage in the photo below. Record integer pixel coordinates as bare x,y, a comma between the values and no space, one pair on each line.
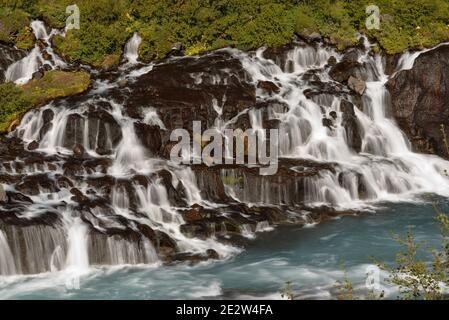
25,39
12,104
201,25
15,100
12,23
55,84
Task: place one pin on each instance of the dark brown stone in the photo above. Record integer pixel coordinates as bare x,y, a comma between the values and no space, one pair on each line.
268,86
419,101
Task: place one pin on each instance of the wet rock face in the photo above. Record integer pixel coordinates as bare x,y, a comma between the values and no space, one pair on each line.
149,135
9,55
347,67
185,90
268,87
351,125
125,210
419,100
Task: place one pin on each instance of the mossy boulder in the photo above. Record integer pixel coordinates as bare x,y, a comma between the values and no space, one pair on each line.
25,39
16,100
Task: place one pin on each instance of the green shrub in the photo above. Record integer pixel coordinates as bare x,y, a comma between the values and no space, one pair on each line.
201,25
12,22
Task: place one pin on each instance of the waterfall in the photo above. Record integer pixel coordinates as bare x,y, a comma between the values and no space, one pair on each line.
387,168
22,71
132,49
7,266
77,254
99,195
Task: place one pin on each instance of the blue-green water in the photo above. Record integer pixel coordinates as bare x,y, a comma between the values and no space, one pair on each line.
310,258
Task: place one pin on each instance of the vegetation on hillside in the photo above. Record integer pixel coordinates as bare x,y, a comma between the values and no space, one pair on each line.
15,100
200,25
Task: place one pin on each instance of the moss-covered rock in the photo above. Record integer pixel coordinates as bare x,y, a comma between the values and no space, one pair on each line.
15,100
25,39
110,61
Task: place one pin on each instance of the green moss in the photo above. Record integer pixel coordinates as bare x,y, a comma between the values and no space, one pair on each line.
102,34
55,84
110,61
52,12
12,104
12,23
15,100
25,39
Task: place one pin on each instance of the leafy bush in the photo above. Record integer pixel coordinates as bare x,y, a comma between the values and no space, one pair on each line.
12,22
201,25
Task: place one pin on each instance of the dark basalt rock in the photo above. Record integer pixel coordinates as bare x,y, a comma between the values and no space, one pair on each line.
351,125
419,100
47,116
181,99
269,87
16,197
328,123
391,62
332,61
33,145
193,259
194,214
78,150
345,69
150,136
322,88
38,75
35,184
279,55
104,132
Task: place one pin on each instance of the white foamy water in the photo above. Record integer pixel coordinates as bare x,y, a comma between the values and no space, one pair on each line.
386,166
7,266
22,71
385,170
132,49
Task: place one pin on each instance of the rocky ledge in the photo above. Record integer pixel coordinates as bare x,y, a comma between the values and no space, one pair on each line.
419,100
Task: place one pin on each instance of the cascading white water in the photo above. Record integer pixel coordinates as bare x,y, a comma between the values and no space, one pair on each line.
386,167
132,49
7,266
40,32
22,71
407,60
77,254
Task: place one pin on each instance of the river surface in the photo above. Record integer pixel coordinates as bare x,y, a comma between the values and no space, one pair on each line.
311,258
